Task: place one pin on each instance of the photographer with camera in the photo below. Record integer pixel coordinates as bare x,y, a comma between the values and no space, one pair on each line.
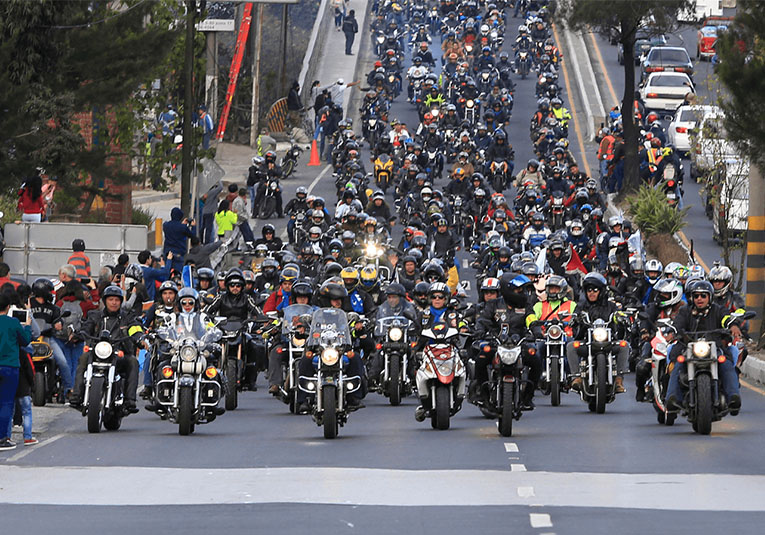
177,232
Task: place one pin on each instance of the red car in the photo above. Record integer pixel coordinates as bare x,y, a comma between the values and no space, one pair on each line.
707,35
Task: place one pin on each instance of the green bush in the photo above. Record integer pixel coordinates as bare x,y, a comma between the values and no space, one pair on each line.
8,203
142,216
651,213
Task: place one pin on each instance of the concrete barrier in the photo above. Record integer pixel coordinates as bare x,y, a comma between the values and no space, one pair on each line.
323,24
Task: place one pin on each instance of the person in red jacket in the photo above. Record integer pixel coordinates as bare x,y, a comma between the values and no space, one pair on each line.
281,297
31,201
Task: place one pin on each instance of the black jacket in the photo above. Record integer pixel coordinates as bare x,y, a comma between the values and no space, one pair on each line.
121,325
234,307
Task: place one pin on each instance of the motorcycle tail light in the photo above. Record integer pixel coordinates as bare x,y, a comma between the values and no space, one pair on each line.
279,349
681,129
167,372
671,184
211,372
120,353
413,344
308,354
486,349
652,95
681,359
532,351
721,359
577,345
623,343
378,347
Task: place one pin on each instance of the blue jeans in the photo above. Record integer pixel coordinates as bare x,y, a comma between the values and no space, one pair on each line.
176,263
25,402
61,363
72,353
9,381
246,231
208,234
727,374
252,193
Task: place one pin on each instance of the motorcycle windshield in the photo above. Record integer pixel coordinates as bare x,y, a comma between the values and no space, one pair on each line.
292,313
383,324
329,327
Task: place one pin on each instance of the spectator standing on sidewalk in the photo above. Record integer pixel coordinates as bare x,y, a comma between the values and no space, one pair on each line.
294,105
177,231
339,7
13,336
337,92
239,207
206,122
5,278
350,29
24,397
31,201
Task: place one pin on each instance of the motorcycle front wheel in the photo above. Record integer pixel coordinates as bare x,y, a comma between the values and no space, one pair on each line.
703,405
232,393
506,417
288,168
441,408
394,381
329,400
95,404
269,205
40,392
185,411
554,380
601,389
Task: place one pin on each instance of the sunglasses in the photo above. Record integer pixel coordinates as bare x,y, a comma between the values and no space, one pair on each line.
593,290
187,302
439,296
236,285
700,296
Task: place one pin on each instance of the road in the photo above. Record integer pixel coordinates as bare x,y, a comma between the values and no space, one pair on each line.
260,468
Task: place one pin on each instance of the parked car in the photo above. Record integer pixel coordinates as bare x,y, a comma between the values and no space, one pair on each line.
684,122
643,43
711,144
666,91
667,59
707,36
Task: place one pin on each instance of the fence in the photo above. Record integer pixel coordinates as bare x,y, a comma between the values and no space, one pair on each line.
38,249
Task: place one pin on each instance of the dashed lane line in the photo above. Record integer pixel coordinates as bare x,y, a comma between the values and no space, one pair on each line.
540,520
515,467
511,447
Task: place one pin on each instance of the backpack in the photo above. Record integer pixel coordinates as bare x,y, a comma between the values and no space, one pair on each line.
73,321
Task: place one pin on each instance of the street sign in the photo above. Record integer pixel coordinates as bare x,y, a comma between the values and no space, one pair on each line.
216,25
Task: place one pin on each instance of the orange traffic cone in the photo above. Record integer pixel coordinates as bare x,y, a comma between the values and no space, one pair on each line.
314,154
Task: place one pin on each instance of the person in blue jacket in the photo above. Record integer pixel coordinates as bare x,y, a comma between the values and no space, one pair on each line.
177,231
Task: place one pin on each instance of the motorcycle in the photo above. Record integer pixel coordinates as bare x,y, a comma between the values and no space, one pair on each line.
329,345
103,385
671,187
233,359
557,211
190,387
524,64
656,386
506,377
46,379
383,167
393,333
290,158
268,202
555,380
471,110
441,376
295,348
371,255
599,369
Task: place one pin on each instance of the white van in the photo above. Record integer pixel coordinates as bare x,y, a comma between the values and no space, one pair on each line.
711,144
735,197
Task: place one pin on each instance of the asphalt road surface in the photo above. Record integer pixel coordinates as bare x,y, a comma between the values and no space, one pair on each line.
260,468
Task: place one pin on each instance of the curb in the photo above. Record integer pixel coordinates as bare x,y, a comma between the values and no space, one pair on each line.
155,197
754,369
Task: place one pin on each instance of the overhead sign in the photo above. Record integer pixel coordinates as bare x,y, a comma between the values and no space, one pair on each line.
216,25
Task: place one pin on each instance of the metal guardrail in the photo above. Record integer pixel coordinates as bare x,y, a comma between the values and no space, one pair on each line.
39,249
321,27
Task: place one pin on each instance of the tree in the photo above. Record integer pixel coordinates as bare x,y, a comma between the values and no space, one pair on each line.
620,20
66,58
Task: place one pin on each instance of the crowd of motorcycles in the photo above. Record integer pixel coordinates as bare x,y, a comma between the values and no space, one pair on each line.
342,310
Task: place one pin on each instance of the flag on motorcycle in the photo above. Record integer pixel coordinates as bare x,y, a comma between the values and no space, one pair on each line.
541,260
187,277
574,262
635,245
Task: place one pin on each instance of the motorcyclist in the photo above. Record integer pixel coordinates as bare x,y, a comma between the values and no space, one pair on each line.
357,299
125,333
269,238
501,152
295,206
444,242
596,305
281,297
537,232
49,320
530,175
701,315
554,306
395,305
634,287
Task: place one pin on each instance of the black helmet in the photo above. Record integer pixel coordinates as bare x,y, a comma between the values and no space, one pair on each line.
234,275
395,289
43,287
559,282
78,245
332,269
168,285
112,291
302,289
268,227
595,280
504,251
333,289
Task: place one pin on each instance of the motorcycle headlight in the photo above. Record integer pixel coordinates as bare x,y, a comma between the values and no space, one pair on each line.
470,103
381,39
273,185
600,334
391,78
508,355
188,353
372,122
330,356
555,332
701,349
445,367
103,350
373,251
395,334
469,48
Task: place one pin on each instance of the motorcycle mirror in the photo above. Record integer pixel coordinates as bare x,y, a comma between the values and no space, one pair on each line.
749,314
221,320
301,336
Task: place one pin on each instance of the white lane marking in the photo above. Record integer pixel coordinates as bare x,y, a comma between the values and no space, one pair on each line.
378,487
526,492
517,467
540,520
29,449
283,235
511,447
465,263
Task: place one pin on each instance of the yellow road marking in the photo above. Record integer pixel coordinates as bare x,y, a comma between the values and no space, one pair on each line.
603,67
575,115
750,386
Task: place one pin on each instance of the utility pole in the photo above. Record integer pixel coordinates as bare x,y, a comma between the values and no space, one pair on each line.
255,117
188,110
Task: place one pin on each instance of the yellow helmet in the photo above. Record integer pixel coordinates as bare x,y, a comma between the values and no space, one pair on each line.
369,276
350,276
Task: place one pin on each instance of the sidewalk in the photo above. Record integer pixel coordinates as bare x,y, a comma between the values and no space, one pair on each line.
236,159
